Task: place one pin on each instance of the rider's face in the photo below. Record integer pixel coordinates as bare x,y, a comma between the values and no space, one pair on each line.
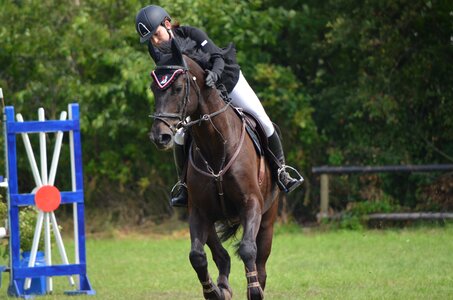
161,35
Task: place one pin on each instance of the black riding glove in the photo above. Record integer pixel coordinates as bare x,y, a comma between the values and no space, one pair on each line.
211,78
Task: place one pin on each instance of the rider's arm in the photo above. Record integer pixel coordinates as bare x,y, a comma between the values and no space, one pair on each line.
205,44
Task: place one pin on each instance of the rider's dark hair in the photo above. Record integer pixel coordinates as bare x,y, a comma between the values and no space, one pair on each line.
174,23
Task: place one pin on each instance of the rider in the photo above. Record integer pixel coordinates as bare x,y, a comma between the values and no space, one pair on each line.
153,24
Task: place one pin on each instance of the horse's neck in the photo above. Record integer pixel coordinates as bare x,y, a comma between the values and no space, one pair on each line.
220,135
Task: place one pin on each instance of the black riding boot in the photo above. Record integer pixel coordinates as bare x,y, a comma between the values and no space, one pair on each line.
178,193
284,180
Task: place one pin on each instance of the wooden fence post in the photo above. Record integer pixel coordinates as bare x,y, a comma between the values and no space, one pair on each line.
324,197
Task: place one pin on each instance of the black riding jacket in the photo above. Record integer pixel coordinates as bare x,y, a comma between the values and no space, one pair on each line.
223,61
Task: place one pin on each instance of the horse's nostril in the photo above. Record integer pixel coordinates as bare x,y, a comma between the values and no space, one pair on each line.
165,139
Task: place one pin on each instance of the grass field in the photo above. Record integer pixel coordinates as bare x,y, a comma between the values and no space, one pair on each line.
304,264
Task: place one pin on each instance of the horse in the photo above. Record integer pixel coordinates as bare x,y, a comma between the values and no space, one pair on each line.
225,188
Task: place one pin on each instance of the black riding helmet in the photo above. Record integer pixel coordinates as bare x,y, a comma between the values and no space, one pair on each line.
148,19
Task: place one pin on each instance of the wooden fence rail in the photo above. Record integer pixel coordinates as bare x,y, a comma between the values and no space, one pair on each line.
324,172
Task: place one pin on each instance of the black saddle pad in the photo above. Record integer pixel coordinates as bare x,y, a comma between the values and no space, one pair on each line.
256,132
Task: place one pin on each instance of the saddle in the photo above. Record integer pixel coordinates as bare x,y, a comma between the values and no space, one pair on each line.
256,133
252,126
258,136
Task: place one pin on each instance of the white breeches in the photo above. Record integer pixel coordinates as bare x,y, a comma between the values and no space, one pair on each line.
244,97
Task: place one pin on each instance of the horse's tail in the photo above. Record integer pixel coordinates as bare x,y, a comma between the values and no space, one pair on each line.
225,230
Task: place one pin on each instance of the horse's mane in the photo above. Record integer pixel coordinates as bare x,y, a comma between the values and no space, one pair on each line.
188,47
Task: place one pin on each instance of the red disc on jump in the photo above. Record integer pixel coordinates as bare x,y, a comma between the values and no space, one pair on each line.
48,198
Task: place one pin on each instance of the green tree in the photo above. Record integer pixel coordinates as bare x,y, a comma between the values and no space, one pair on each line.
348,82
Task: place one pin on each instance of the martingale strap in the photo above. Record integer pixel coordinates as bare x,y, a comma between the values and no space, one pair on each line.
219,176
225,169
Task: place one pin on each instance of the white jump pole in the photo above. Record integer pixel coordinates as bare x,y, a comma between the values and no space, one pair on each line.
53,171
36,176
30,155
47,241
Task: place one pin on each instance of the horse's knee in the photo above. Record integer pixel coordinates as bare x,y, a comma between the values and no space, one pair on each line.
198,259
247,251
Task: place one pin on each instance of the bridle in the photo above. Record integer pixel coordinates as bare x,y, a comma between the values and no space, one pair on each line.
182,114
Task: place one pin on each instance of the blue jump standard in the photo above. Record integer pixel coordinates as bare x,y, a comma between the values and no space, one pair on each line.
18,270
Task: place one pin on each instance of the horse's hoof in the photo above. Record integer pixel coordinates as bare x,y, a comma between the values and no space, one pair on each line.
227,294
214,293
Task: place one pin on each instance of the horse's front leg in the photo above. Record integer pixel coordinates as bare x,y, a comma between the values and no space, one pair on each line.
264,242
199,232
222,261
251,220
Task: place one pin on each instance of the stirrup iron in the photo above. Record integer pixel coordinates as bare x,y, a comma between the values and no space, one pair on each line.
178,185
297,177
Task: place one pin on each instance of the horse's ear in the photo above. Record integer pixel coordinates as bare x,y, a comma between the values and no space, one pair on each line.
177,54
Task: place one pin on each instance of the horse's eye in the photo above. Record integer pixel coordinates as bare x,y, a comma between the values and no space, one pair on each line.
177,89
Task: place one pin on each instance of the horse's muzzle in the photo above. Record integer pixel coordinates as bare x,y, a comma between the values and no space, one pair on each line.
162,137
162,141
